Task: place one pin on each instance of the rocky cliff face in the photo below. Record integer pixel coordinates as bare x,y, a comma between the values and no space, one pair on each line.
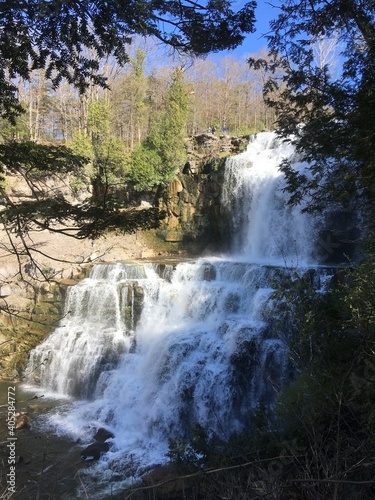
193,201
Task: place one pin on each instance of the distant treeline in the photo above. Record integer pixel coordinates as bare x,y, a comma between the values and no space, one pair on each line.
223,92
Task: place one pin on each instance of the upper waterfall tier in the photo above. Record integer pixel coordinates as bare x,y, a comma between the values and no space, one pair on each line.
264,228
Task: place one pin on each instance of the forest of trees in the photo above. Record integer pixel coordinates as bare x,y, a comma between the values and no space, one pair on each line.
131,131
222,92
108,136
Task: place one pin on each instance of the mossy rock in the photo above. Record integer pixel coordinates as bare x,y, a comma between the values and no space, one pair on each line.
47,313
134,300
36,319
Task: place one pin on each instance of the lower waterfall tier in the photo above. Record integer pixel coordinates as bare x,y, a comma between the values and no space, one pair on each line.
149,351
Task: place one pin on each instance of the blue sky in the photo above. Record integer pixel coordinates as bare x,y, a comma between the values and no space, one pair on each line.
264,13
253,42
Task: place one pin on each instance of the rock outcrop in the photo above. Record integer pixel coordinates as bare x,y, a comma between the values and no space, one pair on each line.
193,200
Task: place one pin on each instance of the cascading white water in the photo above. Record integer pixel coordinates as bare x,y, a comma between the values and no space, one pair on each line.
265,229
93,335
150,353
202,352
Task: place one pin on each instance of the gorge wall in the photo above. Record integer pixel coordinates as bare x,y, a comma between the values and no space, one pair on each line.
193,200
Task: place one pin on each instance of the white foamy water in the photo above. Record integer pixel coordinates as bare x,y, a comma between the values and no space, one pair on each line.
265,229
180,366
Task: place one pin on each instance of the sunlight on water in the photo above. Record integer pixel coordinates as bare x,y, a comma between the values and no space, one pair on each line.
266,229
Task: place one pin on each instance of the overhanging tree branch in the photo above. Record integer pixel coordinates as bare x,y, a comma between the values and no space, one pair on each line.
54,36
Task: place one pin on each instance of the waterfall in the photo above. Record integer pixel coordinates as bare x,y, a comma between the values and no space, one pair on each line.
265,229
94,334
150,350
202,351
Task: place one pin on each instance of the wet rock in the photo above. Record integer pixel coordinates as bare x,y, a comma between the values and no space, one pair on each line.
94,451
39,407
175,187
22,421
102,435
209,272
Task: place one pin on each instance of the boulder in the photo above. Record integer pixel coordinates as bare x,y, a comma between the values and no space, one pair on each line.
94,451
22,421
102,435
